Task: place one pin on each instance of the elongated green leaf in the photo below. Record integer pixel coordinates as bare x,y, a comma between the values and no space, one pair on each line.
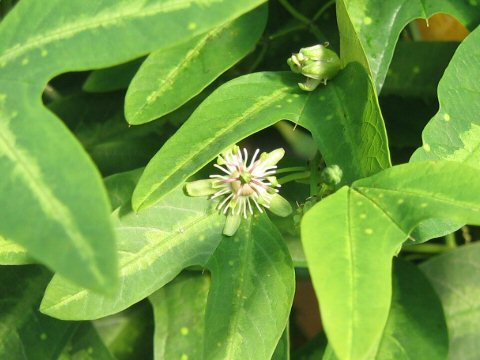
179,309
351,236
252,289
24,332
416,323
453,133
159,85
13,254
455,278
113,78
378,24
343,118
154,246
50,181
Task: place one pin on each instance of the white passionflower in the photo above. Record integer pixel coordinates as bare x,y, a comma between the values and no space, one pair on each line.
243,186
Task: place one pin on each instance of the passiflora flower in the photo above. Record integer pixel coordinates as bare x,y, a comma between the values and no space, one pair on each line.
317,63
243,186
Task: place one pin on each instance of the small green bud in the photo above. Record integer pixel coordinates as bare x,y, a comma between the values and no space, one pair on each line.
315,62
272,158
200,188
332,175
280,206
232,224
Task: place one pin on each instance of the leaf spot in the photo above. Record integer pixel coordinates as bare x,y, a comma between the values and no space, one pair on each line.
25,61
43,336
329,117
426,147
231,263
416,69
289,101
201,238
367,20
400,201
369,231
423,205
90,350
359,203
184,331
184,357
278,106
192,26
43,53
446,117
363,216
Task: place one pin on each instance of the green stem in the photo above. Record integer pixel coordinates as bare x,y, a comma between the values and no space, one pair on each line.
450,241
315,176
323,9
260,57
291,169
293,177
427,248
302,18
286,31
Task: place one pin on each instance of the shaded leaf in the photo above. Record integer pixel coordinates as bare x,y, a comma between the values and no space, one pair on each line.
85,344
454,276
24,332
113,78
416,323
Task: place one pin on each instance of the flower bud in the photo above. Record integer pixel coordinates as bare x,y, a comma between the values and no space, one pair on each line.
272,158
315,62
200,188
280,206
332,175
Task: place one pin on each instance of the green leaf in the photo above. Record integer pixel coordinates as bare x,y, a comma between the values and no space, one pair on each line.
129,334
416,323
179,310
252,289
454,276
453,133
113,78
52,182
153,247
13,254
24,332
343,117
159,85
351,236
85,344
282,351
378,24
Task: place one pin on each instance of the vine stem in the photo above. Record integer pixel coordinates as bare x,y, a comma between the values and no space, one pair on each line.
293,177
302,18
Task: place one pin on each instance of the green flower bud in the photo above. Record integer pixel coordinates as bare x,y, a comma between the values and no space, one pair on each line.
332,175
315,62
200,188
232,224
280,206
272,158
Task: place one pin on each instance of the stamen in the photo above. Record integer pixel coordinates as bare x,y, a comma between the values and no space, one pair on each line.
253,159
221,168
